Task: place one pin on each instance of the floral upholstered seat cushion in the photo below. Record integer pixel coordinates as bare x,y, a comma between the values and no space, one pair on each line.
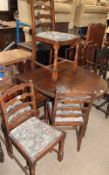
56,36
34,135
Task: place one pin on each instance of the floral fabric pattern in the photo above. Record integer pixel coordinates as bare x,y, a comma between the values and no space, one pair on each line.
57,36
35,135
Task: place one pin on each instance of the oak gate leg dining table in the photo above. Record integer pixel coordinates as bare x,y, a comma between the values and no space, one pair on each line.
82,80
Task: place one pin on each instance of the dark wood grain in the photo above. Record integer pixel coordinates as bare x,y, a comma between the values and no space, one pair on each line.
82,80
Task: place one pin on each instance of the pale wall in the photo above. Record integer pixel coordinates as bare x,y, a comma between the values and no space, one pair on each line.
4,5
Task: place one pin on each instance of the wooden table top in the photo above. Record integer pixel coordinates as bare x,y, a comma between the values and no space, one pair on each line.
7,24
82,80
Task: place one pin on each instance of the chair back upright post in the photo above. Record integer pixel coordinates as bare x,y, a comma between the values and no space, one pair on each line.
89,52
43,19
34,48
95,34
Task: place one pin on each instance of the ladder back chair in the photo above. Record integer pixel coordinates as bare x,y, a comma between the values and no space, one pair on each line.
21,127
71,110
50,37
43,19
95,33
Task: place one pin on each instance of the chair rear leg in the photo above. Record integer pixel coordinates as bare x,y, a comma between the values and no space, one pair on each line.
80,136
51,56
46,112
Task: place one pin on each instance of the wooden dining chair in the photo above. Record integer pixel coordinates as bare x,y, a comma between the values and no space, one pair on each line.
71,110
95,33
43,19
21,127
102,66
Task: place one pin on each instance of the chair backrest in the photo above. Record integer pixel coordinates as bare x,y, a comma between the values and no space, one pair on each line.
102,59
96,33
72,104
43,15
17,105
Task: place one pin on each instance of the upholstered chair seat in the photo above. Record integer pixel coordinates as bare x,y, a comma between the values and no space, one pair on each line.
34,136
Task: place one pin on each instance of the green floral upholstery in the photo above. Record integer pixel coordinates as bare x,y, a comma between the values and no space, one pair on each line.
56,36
